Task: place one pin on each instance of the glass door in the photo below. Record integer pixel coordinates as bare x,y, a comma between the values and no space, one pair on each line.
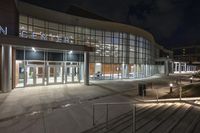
71,74
39,75
55,74
34,75
59,74
19,74
68,75
51,74
30,75
76,73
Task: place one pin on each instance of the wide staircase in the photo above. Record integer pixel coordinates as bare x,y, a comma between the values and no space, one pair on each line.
154,118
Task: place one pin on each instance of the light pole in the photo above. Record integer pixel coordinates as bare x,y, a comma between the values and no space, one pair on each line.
171,85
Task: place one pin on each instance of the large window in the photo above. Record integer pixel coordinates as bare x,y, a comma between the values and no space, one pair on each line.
119,53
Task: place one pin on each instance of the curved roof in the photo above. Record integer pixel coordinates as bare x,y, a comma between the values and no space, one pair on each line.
59,17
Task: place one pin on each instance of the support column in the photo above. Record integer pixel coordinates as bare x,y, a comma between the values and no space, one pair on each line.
172,71
6,68
185,67
167,67
179,68
86,68
175,67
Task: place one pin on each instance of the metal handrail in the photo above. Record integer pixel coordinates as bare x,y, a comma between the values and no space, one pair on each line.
107,112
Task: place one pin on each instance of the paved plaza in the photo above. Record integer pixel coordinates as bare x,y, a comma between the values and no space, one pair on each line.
68,108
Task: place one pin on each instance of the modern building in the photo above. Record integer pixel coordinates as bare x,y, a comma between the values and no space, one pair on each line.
40,46
187,58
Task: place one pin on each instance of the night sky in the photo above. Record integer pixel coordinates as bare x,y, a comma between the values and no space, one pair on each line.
172,22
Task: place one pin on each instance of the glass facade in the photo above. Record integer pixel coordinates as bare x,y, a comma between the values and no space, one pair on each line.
117,54
44,67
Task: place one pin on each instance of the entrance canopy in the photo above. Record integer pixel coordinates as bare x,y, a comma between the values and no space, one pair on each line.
16,41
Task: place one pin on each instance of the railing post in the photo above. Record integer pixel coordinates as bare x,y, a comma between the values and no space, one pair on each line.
107,116
157,95
143,93
44,123
93,112
134,119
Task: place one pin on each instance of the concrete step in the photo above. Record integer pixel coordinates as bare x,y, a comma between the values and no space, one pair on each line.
173,120
155,118
158,120
141,123
188,121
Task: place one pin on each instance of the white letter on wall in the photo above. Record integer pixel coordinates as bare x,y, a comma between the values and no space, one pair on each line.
4,31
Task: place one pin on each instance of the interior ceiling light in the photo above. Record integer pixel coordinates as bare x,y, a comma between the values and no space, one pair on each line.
33,49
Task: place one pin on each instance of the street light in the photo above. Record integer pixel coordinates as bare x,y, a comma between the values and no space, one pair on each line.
191,79
171,85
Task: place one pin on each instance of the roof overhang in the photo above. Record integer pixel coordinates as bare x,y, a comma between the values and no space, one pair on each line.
25,42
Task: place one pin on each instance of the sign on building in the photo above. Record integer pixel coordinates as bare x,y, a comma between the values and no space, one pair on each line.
3,30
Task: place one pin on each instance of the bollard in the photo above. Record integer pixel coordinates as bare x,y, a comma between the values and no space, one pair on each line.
191,80
171,85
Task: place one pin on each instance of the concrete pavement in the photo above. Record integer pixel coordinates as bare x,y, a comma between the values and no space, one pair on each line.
59,108
25,100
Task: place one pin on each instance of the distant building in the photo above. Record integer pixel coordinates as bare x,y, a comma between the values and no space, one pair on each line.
188,55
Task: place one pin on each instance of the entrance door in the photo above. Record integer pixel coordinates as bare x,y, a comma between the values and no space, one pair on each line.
71,74
55,74
39,75
76,73
51,74
30,75
34,75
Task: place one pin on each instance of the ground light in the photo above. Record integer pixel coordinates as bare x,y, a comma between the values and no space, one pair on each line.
170,85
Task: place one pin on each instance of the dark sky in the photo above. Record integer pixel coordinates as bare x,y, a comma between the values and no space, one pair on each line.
172,22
